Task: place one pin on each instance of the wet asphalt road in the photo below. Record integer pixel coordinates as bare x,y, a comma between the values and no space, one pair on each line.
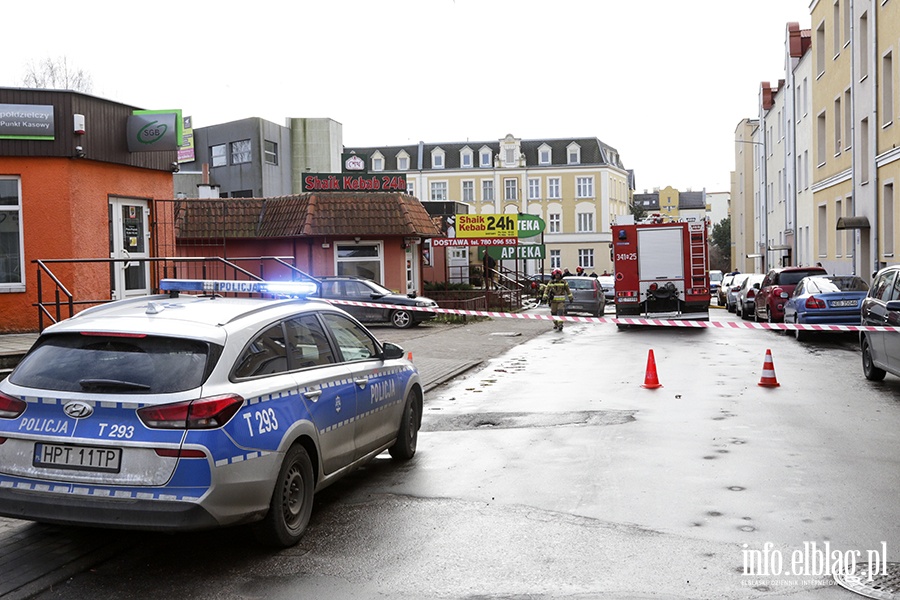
550,472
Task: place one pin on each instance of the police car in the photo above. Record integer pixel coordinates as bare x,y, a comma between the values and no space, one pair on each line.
184,411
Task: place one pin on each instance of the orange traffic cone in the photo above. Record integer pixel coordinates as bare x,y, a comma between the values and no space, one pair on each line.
768,374
409,356
651,381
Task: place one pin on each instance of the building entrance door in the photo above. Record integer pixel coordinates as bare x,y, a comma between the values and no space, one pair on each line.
129,234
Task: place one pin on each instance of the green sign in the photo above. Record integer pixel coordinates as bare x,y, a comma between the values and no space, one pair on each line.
530,226
520,252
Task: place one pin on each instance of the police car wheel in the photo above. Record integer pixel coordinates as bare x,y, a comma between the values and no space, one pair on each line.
401,319
292,501
408,435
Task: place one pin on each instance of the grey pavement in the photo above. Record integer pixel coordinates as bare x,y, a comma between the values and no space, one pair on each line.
35,557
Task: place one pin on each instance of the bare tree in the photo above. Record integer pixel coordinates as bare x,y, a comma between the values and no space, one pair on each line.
56,73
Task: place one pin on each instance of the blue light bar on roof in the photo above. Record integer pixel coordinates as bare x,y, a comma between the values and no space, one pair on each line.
221,286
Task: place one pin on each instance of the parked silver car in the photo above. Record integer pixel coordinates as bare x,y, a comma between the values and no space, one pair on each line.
745,297
608,283
733,287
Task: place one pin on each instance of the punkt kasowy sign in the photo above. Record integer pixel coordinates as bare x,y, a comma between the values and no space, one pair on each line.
26,122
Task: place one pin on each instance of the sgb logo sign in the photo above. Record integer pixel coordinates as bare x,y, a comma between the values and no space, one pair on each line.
152,132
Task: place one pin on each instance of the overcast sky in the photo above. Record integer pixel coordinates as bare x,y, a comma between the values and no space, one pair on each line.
664,82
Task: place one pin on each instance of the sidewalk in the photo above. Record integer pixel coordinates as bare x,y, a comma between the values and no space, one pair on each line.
35,557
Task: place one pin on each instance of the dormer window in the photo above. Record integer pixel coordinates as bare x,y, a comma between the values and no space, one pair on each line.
403,161
485,158
510,149
545,155
377,162
437,159
466,156
573,152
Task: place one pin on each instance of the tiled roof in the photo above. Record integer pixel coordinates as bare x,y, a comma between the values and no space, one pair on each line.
306,215
593,152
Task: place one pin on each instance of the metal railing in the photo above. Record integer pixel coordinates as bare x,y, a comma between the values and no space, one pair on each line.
62,303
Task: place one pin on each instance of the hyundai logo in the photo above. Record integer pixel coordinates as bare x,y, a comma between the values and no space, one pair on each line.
78,409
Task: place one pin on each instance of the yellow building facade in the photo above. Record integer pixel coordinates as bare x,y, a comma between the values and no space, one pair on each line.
577,186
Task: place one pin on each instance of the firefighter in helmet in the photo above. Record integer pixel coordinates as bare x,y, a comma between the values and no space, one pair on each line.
555,293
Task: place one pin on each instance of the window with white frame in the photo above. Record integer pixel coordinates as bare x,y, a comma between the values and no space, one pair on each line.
544,155
534,189
487,190
553,188
437,159
12,265
510,189
888,221
410,187
585,222
240,152
484,158
554,223
271,153
468,191
439,191
586,258
403,162
555,259
465,158
887,90
378,163
217,155
359,259
574,154
584,187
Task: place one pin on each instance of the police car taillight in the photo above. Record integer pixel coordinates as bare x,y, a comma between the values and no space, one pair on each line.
205,413
10,407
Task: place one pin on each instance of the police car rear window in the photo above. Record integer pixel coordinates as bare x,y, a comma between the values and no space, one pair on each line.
103,364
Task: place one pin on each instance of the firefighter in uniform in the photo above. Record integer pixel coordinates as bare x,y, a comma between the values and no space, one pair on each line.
555,293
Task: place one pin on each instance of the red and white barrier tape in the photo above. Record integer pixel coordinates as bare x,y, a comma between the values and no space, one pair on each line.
629,320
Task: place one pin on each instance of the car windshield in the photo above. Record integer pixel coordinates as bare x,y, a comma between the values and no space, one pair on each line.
74,362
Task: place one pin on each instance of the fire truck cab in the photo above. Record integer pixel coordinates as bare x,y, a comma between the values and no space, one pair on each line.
661,270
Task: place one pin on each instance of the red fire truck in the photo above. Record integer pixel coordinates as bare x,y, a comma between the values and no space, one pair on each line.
661,270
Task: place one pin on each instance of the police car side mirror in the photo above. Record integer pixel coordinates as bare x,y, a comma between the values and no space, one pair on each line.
391,351
893,305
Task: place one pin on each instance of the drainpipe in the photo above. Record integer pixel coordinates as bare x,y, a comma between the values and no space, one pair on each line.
873,127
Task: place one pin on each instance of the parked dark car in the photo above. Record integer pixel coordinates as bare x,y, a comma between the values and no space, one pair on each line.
881,349
404,311
776,288
825,300
587,296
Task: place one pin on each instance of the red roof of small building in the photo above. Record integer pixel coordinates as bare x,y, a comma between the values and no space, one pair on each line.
304,215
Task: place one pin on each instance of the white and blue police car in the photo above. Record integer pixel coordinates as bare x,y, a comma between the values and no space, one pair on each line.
185,411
